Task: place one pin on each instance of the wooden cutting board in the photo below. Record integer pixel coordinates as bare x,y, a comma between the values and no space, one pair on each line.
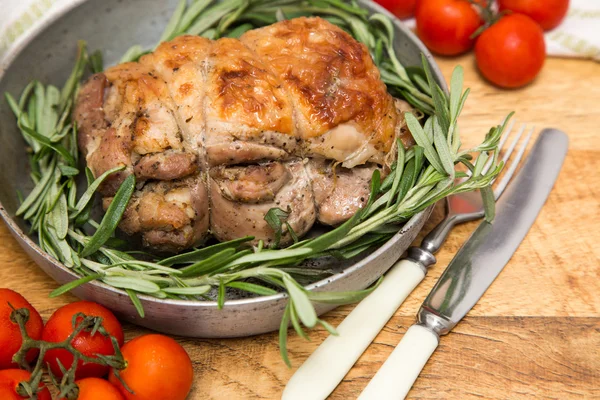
535,333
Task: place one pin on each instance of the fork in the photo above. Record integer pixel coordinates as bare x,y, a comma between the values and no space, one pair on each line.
331,361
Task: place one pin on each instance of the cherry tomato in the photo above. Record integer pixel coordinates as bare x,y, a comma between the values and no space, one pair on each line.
59,327
548,13
446,26
400,8
9,382
97,389
511,52
158,368
10,335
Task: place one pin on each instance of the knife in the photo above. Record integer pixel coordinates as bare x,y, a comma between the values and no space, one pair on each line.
473,269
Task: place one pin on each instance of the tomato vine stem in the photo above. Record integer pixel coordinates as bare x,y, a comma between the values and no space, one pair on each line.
67,387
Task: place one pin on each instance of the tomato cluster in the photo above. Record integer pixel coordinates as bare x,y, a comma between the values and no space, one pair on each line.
509,45
154,367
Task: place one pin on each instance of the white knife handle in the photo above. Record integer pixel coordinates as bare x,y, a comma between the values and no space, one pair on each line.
397,375
331,361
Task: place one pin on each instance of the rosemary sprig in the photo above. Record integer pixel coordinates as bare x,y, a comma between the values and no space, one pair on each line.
420,177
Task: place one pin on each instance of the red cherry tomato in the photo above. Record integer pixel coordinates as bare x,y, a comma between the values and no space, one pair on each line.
400,8
10,335
59,327
97,389
548,13
158,368
9,382
511,52
446,26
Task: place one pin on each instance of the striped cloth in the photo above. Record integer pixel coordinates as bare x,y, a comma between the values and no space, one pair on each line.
578,36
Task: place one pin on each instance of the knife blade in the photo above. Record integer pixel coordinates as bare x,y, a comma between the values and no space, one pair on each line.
474,268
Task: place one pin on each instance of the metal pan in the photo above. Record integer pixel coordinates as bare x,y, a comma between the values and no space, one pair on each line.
47,54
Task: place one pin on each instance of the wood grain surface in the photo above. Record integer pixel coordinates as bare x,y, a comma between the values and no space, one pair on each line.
536,332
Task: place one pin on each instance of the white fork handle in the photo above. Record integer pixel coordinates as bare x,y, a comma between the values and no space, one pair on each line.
331,361
397,375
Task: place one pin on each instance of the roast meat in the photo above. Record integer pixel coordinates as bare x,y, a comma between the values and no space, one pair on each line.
292,116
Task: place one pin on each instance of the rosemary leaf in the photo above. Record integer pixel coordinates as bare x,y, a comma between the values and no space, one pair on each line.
192,13
489,203
213,15
340,298
111,218
280,16
252,288
67,287
326,240
144,265
127,282
132,54
367,239
328,327
44,141
456,84
135,300
442,148
189,291
283,334
389,179
76,73
239,30
89,193
408,179
304,308
171,29
291,232
221,294
60,217
207,265
49,113
398,172
375,187
275,218
439,99
203,253
229,19
68,171
420,137
270,255
479,165
296,322
96,62
361,12
61,247
210,34
36,193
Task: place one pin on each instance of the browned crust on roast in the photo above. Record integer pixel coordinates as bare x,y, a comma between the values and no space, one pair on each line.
331,75
241,88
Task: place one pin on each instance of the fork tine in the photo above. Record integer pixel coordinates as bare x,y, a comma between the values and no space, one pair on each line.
506,133
513,167
503,139
513,144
